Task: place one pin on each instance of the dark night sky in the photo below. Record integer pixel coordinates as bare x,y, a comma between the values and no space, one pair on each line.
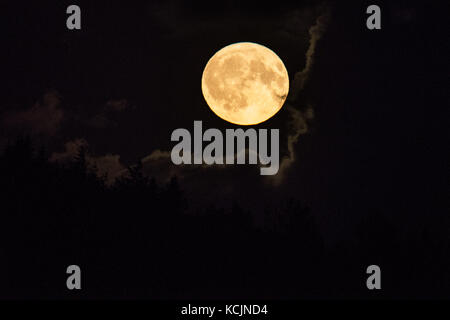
132,75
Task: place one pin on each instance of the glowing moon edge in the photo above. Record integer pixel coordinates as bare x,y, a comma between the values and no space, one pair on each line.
245,83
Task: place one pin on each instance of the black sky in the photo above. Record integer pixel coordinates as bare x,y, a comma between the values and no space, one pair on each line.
375,140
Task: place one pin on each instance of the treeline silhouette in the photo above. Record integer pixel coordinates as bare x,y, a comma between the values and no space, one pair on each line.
140,239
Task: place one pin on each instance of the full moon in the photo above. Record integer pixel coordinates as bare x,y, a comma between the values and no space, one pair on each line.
245,83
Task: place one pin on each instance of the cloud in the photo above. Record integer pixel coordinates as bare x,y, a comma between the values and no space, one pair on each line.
44,117
71,151
108,166
216,184
159,166
315,32
156,155
299,119
299,126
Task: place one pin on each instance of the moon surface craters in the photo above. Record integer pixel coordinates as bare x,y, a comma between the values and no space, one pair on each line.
245,83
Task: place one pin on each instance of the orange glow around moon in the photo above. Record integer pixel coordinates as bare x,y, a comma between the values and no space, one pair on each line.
245,83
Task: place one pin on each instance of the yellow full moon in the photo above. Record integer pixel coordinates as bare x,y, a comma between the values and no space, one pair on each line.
245,83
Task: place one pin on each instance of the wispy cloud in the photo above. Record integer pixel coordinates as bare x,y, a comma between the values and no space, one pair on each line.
299,119
315,32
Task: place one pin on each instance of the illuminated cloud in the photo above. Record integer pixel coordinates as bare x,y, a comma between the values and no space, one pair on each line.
108,166
315,32
71,150
299,119
44,117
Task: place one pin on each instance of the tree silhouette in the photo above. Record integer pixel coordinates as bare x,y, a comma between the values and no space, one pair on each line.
140,239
